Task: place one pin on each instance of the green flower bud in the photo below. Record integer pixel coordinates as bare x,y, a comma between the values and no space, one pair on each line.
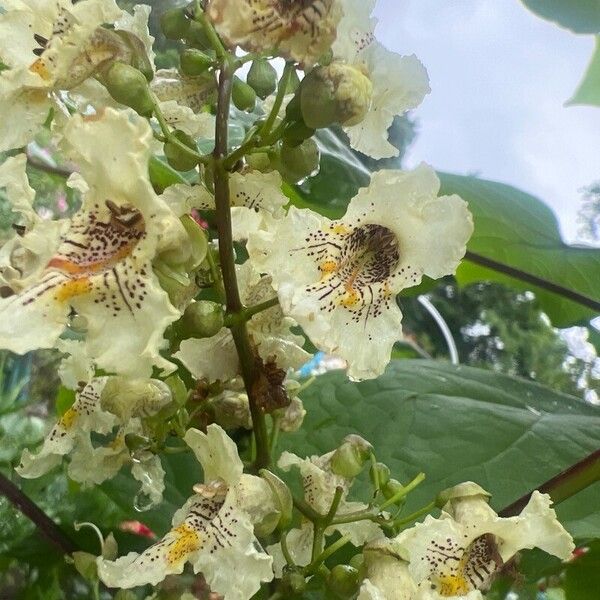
259,161
135,442
283,498
194,62
293,583
138,57
203,319
293,111
380,472
391,488
86,566
343,582
243,96
293,83
295,133
349,459
298,162
176,156
128,86
468,489
196,36
262,78
175,24
339,93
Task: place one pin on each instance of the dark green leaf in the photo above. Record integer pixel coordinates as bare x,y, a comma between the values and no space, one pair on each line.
580,16
521,232
458,424
583,575
162,175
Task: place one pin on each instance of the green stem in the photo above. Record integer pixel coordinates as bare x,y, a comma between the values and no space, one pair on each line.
335,504
285,550
265,130
275,429
211,34
233,301
404,491
215,273
318,540
329,551
414,516
247,313
307,510
564,485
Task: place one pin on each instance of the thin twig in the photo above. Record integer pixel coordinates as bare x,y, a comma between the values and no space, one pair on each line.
533,280
48,528
564,485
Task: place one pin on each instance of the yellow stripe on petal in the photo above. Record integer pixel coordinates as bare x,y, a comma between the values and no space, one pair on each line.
187,540
39,68
73,288
68,418
453,585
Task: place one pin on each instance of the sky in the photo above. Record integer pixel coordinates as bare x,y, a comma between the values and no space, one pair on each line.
500,77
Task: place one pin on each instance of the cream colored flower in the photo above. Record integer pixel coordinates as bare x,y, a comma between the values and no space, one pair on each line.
214,530
113,407
270,331
49,46
339,279
102,266
399,82
319,485
301,31
458,554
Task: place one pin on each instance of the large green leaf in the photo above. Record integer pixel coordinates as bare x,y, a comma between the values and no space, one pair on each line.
580,16
583,575
588,91
521,232
458,424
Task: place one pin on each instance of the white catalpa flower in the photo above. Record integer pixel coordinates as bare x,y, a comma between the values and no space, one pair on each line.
49,46
270,331
113,407
300,31
458,554
386,574
255,198
400,83
339,279
319,485
182,101
102,266
214,530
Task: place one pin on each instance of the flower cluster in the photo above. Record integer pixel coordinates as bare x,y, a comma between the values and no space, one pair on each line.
191,284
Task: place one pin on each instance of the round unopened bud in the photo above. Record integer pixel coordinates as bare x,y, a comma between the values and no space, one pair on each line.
196,36
298,162
243,96
138,57
391,488
339,93
296,132
259,161
262,78
293,583
177,157
342,581
459,492
203,319
349,459
380,473
175,24
128,86
194,62
135,442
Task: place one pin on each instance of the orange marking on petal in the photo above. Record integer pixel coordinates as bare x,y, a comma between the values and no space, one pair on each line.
67,420
70,268
39,67
187,540
75,287
327,267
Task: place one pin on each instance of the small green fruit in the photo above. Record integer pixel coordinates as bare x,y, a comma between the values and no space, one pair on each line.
342,581
196,36
298,162
295,133
203,319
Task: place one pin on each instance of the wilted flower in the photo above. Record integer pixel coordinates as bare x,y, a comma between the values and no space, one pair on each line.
339,279
102,266
214,530
302,31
